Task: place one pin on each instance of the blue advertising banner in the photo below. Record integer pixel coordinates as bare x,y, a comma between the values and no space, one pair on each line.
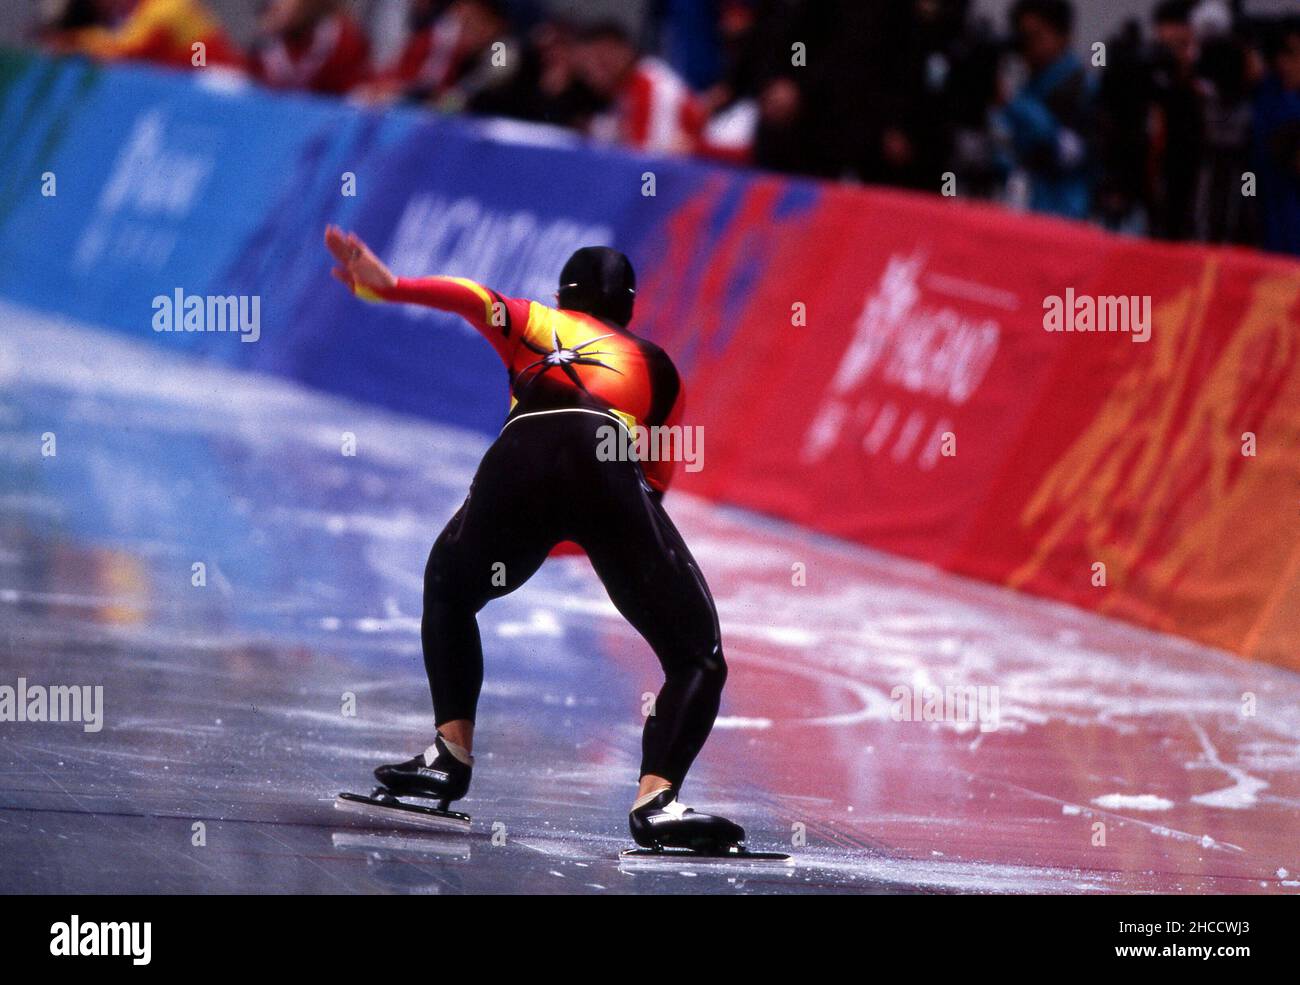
129,193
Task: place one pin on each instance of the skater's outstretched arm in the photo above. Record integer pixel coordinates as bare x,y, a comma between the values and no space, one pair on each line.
498,318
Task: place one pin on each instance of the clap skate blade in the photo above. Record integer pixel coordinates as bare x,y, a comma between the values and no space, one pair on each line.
721,853
383,807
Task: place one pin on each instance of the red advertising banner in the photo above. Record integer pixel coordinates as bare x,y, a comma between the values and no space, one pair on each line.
1106,421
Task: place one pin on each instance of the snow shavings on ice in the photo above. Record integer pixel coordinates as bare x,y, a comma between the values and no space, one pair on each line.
1133,802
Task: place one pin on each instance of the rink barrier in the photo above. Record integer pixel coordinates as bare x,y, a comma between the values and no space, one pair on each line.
872,364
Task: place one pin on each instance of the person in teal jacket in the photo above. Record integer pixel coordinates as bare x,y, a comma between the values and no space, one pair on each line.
1049,120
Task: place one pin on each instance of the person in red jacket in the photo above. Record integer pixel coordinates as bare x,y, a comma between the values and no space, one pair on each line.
578,378
651,107
454,51
312,45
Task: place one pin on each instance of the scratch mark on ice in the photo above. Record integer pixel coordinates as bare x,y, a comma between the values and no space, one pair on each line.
1243,791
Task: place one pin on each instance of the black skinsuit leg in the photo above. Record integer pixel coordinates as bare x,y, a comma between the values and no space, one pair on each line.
495,542
540,483
654,582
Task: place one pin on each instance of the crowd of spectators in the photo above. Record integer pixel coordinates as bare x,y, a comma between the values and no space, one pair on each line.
1186,127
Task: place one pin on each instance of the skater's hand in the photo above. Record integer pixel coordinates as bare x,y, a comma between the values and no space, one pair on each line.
357,263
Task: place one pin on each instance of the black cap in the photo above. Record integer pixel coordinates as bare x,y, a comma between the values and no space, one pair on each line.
600,282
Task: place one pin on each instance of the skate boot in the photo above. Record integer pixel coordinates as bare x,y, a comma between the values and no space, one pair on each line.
669,831
441,773
438,773
665,822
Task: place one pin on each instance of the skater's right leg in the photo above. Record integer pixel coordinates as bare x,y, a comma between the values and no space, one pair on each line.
655,583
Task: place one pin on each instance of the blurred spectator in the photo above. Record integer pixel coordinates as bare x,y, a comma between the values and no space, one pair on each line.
1229,72
546,87
165,32
1277,142
425,58
760,68
817,65
1177,124
313,45
917,122
730,105
1049,117
688,37
486,55
973,65
649,107
456,51
1123,119
60,17
1154,139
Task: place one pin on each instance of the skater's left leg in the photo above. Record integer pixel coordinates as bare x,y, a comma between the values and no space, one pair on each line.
495,542
656,585
493,545
471,563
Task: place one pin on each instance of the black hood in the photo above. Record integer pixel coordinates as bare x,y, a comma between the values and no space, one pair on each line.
600,282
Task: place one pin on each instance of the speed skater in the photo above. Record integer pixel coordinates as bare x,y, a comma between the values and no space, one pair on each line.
574,371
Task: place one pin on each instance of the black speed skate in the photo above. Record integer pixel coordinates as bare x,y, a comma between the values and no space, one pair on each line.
436,774
665,828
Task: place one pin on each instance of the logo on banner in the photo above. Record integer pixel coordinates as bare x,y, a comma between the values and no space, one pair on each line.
153,186
517,252
919,350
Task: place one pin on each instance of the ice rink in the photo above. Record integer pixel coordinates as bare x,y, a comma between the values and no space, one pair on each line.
1122,760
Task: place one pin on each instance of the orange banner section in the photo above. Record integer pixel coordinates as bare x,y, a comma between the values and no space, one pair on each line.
1106,421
